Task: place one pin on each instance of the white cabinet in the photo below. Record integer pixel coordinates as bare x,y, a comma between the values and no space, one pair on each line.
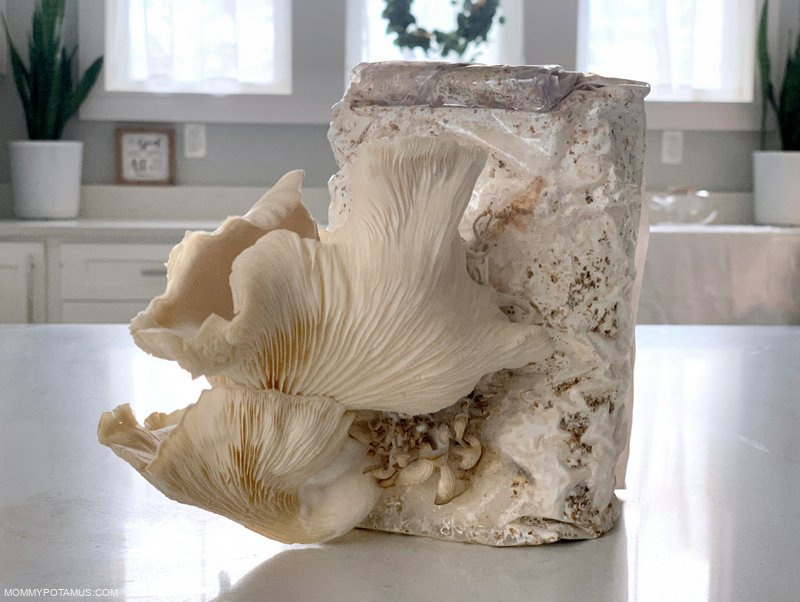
22,282
102,283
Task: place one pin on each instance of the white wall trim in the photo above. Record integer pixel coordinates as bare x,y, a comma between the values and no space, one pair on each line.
184,202
175,203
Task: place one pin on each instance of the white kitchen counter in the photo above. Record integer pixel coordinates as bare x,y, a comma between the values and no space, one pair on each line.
710,513
726,274
721,275
92,230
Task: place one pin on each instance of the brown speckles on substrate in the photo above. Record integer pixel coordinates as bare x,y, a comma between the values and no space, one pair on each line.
537,403
566,385
605,323
517,484
491,224
595,402
579,509
576,425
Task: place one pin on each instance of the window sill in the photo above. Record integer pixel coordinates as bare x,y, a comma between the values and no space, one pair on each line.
130,106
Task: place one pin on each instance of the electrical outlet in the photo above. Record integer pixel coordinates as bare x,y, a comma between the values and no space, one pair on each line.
194,140
672,148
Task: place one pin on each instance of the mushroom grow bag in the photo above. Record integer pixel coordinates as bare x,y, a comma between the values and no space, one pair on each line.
555,225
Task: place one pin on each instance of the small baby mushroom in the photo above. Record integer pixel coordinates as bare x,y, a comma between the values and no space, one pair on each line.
469,450
448,486
417,472
459,426
382,472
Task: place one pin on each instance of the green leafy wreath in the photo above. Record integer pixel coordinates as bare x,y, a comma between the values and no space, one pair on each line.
474,22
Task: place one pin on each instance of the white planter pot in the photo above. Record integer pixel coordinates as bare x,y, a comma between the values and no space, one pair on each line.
46,178
776,187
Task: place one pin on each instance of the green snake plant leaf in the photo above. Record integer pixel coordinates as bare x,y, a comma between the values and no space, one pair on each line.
764,68
22,77
789,112
85,85
46,87
65,99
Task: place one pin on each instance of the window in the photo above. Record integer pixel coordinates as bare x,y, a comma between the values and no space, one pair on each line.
209,47
315,69
367,39
688,50
320,54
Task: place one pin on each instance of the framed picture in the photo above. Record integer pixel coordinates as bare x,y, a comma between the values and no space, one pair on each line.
145,155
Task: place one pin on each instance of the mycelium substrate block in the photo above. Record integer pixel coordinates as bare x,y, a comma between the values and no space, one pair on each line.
554,225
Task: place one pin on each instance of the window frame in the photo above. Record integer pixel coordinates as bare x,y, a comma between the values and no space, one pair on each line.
312,84
698,115
123,82
513,33
550,30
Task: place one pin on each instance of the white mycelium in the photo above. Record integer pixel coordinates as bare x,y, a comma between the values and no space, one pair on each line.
552,226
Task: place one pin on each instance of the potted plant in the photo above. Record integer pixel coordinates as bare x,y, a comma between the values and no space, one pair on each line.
46,171
776,174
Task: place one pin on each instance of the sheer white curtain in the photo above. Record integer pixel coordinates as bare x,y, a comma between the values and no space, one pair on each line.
367,39
199,46
688,50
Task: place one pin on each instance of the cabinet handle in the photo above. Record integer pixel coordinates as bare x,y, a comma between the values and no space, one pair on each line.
154,272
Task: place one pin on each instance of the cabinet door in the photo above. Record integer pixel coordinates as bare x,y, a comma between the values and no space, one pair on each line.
21,283
96,272
110,283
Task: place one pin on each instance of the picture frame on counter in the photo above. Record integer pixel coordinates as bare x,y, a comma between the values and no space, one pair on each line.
145,155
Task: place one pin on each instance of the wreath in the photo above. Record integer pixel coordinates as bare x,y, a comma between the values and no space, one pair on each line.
474,22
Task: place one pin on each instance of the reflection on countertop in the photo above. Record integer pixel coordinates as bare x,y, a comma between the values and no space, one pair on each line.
708,513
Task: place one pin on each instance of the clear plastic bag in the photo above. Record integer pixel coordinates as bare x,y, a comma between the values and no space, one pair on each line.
556,226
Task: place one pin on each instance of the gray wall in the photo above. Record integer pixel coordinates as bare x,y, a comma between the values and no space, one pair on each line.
258,154
240,155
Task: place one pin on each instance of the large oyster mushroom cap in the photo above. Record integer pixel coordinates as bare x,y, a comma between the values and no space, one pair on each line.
183,324
382,315
282,466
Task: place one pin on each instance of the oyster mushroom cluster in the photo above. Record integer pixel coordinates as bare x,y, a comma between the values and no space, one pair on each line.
409,450
299,333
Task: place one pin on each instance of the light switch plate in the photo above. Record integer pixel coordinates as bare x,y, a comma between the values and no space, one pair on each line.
194,140
672,148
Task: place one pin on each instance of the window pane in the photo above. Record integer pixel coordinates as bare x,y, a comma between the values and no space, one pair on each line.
368,40
688,50
202,47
